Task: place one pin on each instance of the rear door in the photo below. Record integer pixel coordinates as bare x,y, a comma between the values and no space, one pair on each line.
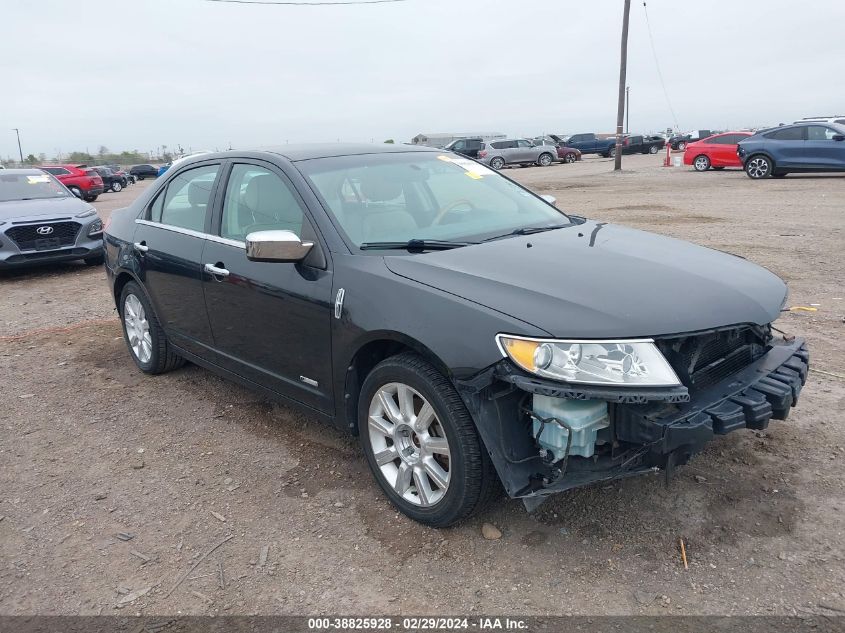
169,241
787,146
821,150
271,320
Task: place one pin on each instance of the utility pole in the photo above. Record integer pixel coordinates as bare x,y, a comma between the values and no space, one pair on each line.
20,151
623,69
627,110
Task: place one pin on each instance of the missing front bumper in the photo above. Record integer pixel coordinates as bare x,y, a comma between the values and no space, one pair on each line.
652,429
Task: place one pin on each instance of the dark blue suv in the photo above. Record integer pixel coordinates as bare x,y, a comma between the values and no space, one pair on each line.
806,147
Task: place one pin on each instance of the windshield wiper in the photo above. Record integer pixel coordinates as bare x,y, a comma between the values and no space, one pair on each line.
527,230
414,245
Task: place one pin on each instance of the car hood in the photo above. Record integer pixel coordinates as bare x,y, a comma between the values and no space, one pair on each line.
599,280
22,210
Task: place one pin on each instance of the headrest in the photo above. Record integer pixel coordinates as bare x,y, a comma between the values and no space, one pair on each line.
199,192
378,188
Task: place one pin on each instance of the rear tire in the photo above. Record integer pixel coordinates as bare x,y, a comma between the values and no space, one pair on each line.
681,146
758,167
90,198
143,334
701,163
116,187
497,163
456,476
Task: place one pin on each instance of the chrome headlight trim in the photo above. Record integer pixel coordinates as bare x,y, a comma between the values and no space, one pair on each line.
665,375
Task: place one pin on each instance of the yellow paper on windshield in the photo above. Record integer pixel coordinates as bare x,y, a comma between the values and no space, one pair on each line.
472,169
34,180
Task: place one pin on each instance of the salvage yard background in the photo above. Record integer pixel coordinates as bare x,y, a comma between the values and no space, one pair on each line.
113,485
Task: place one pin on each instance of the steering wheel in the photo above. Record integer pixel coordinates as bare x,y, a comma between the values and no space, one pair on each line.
451,207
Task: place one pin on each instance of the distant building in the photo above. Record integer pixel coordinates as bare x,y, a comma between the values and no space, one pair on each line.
443,139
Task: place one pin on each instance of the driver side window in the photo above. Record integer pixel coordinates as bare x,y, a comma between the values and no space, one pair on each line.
257,199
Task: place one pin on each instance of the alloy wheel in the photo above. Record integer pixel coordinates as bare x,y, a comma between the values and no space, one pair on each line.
137,328
409,444
757,167
701,163
497,163
545,160
116,187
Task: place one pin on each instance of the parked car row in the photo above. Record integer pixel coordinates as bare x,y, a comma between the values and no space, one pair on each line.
89,182
807,146
498,154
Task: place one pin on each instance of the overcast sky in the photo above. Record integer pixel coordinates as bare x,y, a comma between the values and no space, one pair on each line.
135,75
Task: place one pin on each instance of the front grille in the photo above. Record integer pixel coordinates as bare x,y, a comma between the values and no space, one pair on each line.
702,360
28,238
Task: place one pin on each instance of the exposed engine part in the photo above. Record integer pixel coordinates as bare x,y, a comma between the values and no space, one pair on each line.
568,427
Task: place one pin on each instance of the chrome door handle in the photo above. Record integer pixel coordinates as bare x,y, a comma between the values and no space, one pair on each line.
217,272
141,247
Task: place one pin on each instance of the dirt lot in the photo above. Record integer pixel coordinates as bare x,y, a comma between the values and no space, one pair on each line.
92,449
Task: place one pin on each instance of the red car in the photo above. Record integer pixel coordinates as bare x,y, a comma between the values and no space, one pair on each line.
568,154
83,181
717,151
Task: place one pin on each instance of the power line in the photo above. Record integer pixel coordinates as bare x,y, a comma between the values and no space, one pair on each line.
307,4
657,64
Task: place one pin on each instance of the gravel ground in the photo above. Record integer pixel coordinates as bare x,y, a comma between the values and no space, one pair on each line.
93,453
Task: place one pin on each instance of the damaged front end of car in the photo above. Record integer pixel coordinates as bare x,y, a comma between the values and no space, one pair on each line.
559,414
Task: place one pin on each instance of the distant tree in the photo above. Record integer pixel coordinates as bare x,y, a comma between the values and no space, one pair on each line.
42,158
80,157
102,151
390,141
31,160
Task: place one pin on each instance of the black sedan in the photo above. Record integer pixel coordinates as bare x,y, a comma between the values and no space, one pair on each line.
466,329
144,171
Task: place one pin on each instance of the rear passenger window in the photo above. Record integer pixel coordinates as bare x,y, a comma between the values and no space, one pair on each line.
789,134
185,201
499,145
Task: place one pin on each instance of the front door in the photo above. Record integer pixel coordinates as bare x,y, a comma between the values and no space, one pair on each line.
169,241
271,321
821,150
787,146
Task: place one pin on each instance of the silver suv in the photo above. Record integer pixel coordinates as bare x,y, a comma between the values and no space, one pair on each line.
518,151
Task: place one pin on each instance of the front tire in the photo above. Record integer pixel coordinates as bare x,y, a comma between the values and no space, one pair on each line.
569,158
701,163
421,442
497,163
544,160
143,334
681,146
611,153
758,167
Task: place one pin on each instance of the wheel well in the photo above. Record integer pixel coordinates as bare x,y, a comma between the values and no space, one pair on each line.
364,362
119,283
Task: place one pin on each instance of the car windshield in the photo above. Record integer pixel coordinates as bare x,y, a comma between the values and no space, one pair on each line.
30,187
398,197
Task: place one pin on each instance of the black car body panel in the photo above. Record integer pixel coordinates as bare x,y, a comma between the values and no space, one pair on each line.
307,332
642,276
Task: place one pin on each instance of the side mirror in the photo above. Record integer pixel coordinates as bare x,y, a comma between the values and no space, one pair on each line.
550,199
76,192
276,246
839,137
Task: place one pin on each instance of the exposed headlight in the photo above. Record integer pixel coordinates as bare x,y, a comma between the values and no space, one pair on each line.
96,228
86,214
636,363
